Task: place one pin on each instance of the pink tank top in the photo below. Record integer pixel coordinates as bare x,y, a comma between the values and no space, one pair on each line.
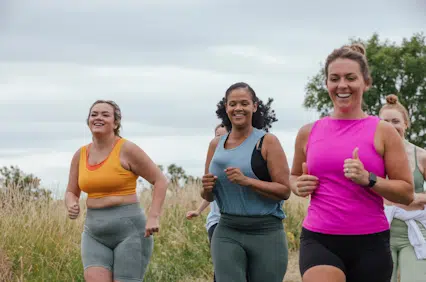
338,205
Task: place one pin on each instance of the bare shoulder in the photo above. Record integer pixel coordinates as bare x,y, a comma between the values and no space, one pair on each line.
305,130
270,141
420,151
385,127
77,153
421,156
303,134
131,155
214,142
129,147
76,156
270,138
387,133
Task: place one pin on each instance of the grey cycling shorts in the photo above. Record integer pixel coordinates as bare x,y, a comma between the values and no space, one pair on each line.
113,238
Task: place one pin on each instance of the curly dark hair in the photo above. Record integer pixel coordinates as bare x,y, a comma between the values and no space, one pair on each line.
262,118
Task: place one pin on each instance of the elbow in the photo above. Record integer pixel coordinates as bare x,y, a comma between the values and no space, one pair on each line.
207,197
410,198
286,193
408,195
161,182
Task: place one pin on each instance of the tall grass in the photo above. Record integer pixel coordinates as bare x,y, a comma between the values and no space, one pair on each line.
39,243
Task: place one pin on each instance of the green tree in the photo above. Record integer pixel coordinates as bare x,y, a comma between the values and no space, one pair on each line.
192,180
176,173
14,182
395,69
161,167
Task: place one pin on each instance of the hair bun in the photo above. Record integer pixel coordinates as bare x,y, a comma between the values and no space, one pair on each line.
392,99
358,47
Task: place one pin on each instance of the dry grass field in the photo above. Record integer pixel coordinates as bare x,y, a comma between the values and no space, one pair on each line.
39,243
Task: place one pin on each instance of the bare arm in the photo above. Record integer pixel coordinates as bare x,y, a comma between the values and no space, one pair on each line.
72,194
420,198
399,187
299,155
141,164
204,204
279,188
208,196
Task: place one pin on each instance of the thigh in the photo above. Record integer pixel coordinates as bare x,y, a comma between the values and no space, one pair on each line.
374,263
412,269
313,252
267,256
132,255
228,254
94,253
394,252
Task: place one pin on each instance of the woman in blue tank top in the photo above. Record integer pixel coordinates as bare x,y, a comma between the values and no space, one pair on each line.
247,174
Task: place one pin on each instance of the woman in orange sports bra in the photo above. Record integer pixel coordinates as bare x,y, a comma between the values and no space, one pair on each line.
117,242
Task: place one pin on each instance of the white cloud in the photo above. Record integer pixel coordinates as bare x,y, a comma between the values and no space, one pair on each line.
250,52
167,64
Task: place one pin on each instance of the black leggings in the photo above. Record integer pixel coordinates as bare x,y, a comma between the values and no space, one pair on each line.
363,258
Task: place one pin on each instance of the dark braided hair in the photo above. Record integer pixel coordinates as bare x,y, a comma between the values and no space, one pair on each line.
262,118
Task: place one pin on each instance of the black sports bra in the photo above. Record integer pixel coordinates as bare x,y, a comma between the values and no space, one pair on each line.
259,164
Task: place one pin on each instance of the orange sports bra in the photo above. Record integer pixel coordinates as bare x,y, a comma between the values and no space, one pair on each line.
107,178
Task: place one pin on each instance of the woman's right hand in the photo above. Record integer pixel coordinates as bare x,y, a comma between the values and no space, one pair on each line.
208,180
306,184
192,214
73,210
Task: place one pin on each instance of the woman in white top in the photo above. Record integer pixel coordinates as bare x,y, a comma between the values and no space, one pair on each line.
214,214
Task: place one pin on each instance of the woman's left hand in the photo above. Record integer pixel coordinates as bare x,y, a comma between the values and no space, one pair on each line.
236,176
152,225
354,170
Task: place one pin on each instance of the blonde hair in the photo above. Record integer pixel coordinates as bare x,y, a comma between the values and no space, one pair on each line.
355,52
117,114
392,103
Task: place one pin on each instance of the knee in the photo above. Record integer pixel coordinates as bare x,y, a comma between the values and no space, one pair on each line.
97,274
324,273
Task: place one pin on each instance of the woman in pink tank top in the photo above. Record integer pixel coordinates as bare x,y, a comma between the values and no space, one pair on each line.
347,163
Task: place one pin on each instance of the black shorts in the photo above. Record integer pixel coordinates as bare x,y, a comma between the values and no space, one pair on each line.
211,231
363,258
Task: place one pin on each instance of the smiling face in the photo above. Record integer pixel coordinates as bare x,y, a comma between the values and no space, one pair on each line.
346,85
396,118
101,119
240,107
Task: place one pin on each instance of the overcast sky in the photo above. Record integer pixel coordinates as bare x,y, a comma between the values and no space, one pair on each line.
167,64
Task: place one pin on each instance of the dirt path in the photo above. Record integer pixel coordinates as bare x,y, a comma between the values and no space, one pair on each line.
293,274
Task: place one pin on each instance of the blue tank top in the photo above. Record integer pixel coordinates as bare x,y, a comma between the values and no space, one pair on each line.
235,199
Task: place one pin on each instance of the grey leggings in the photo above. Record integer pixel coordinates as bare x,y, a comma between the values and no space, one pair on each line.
113,238
253,245
404,258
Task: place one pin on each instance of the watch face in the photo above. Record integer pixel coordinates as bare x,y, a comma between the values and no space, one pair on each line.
372,179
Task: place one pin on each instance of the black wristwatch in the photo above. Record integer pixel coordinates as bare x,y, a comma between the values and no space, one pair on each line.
372,178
